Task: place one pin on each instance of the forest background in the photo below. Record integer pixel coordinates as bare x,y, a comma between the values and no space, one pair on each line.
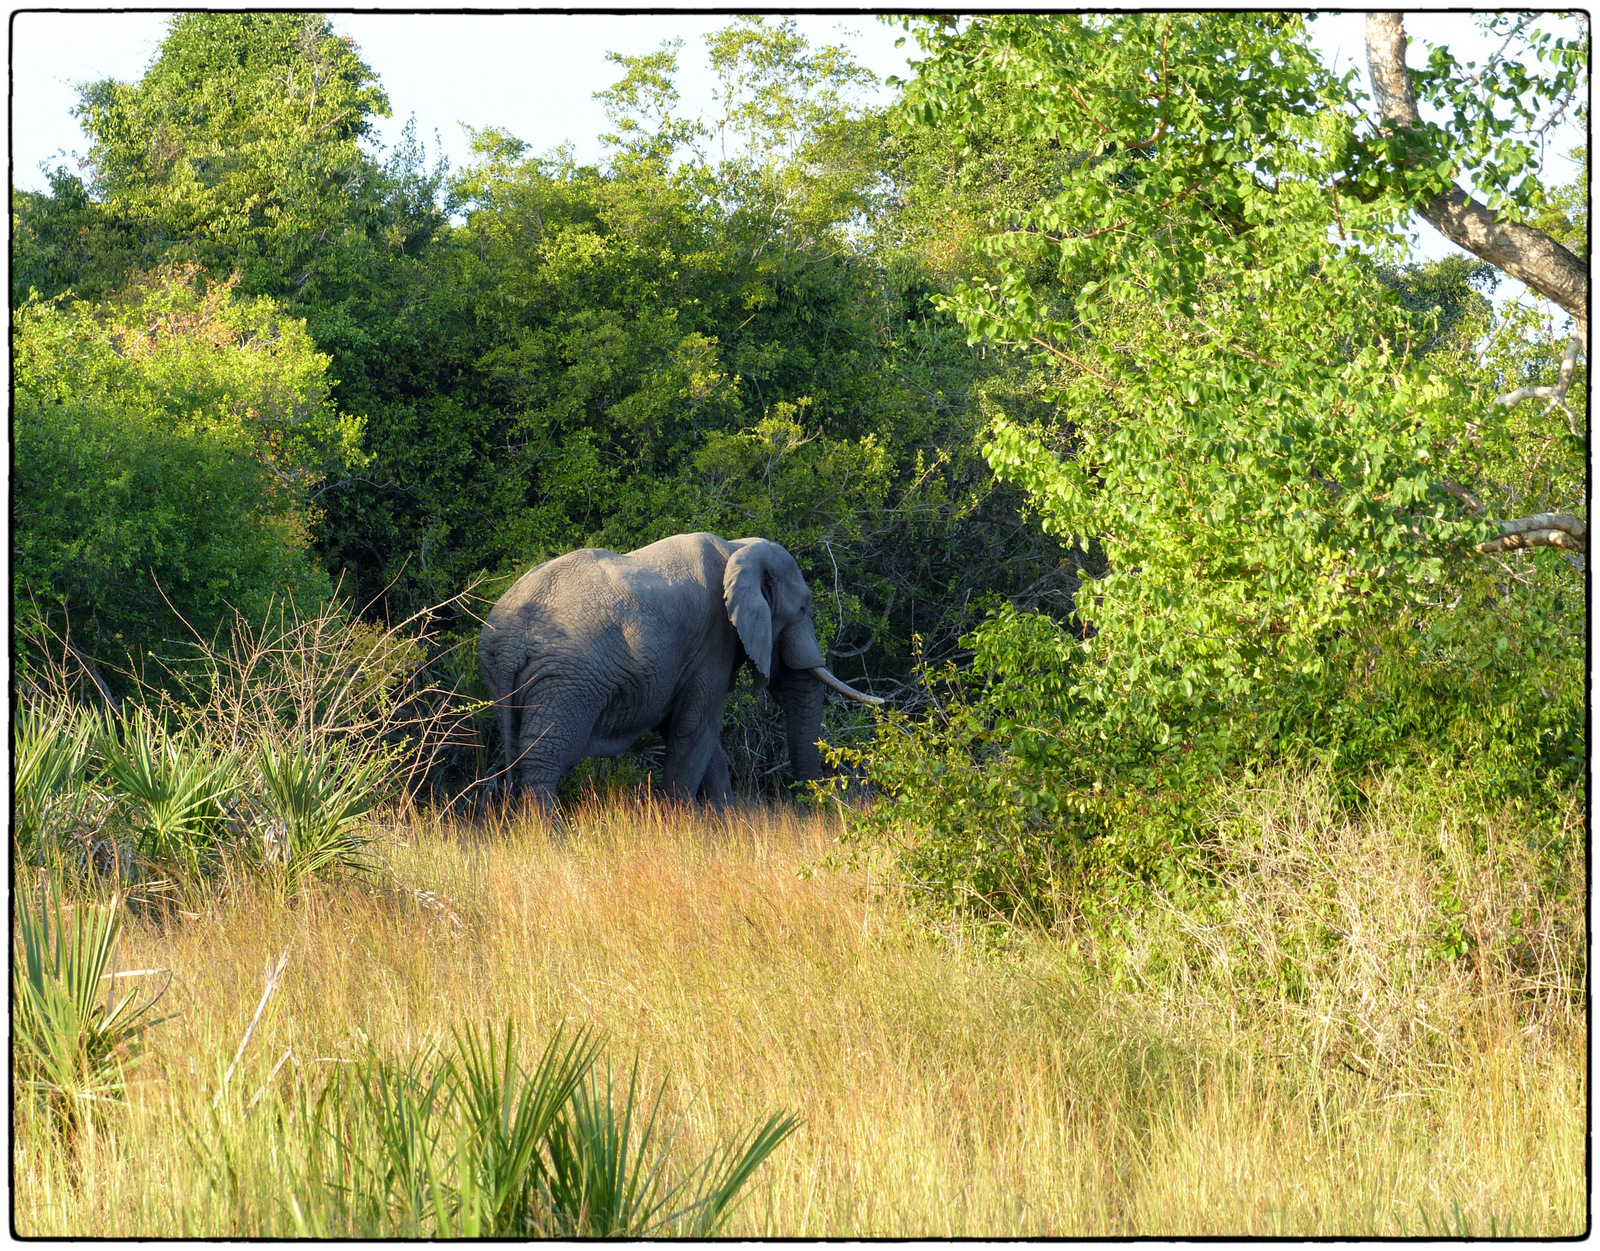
947,350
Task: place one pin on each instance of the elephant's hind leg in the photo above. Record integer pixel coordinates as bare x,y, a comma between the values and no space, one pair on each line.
554,722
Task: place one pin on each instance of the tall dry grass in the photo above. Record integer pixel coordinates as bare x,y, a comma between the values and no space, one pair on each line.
1073,1084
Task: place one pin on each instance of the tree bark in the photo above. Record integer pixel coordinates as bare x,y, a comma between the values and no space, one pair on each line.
1528,255
1543,530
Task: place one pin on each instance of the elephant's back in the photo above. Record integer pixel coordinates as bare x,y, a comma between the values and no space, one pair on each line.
608,607
572,578
596,582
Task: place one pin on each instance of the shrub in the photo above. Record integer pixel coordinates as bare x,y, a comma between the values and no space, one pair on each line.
268,751
1020,793
172,788
52,745
311,679
72,1047
313,802
469,1144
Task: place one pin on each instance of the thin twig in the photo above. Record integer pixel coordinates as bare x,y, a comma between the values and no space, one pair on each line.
256,1098
1073,360
273,977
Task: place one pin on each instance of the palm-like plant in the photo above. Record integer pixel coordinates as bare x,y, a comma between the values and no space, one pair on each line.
470,1145
601,1185
718,1180
174,790
72,1036
51,747
314,800
606,1183
508,1120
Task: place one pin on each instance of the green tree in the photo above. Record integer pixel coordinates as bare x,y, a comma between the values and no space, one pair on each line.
239,149
1494,120
168,447
1256,443
715,327
1273,445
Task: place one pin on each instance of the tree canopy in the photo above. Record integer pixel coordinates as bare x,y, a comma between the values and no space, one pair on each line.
1100,365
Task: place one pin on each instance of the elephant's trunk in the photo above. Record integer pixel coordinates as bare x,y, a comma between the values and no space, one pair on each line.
801,698
844,688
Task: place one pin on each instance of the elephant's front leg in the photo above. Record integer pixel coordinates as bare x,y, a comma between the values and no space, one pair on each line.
694,741
717,787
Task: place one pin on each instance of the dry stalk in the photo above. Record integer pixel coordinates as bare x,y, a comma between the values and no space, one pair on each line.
274,975
256,1098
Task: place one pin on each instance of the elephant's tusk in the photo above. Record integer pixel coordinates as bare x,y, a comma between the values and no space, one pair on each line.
844,688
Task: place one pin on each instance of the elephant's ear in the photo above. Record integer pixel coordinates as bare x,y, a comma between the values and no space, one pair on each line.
747,606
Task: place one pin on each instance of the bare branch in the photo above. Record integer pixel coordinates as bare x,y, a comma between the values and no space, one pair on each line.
1532,539
1557,395
1541,530
1461,493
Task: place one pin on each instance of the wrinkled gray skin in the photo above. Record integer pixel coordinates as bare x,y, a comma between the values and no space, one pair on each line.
592,650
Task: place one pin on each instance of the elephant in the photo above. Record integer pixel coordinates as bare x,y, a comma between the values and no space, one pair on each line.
588,652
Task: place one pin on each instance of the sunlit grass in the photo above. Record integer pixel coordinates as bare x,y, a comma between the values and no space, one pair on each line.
944,1089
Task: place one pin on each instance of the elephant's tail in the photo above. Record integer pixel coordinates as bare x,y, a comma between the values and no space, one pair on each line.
508,709
505,711
506,716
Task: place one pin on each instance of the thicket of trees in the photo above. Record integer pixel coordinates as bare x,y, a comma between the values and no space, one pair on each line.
1100,359
589,355
1297,463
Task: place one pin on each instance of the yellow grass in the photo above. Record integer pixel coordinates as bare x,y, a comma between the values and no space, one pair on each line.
946,1089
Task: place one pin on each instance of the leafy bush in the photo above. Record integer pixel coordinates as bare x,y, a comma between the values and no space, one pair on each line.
72,1039
1016,794
996,799
131,412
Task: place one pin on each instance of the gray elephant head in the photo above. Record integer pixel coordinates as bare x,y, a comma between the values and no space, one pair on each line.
769,604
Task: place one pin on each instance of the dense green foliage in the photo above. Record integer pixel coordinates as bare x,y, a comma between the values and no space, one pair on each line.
169,443
239,150
1264,420
579,354
1101,359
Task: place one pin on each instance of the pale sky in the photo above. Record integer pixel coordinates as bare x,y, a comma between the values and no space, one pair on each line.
531,74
